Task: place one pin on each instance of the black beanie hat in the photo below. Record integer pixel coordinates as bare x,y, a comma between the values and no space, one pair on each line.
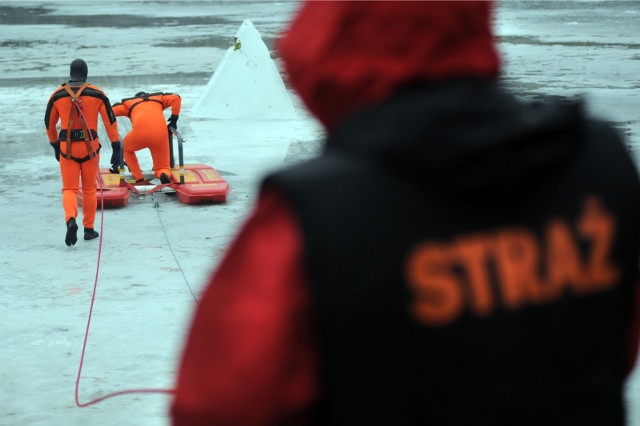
78,70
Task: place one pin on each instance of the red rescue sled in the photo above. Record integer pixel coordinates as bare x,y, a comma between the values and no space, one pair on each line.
110,192
192,183
201,183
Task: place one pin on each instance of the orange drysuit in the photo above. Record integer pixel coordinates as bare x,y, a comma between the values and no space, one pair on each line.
79,147
148,129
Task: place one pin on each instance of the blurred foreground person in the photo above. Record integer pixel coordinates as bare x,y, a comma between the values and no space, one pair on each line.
77,105
456,256
149,130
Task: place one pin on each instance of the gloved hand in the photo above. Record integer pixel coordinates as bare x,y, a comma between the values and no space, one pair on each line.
56,148
115,156
173,122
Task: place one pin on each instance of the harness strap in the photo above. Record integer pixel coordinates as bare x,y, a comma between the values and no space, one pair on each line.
75,100
79,160
77,135
142,99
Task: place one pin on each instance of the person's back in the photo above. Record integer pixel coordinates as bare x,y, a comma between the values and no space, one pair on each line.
473,259
145,110
482,274
92,99
468,258
149,130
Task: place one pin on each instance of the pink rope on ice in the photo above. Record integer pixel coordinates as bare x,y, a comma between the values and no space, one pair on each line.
86,334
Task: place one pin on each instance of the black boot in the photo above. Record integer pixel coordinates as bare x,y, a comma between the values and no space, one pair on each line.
72,232
164,178
90,234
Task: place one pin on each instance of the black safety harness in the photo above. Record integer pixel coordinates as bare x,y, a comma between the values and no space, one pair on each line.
142,98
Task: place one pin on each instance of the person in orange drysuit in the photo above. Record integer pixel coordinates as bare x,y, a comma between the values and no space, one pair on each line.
77,105
149,130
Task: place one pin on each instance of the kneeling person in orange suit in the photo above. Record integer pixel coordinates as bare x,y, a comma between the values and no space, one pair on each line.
77,105
149,130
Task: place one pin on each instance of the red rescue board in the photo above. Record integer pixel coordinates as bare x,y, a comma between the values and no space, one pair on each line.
112,194
192,183
202,183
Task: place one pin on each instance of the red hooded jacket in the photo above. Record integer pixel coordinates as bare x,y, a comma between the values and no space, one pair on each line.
250,356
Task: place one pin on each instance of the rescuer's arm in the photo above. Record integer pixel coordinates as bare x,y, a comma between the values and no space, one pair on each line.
173,101
110,122
111,126
51,121
120,110
249,357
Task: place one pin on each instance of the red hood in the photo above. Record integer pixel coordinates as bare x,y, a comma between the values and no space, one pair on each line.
343,55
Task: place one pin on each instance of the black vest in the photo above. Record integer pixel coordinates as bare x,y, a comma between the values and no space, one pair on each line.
440,306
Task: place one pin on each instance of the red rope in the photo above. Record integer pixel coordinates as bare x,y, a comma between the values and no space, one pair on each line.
86,334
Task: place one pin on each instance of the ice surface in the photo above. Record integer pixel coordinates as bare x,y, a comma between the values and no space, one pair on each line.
154,260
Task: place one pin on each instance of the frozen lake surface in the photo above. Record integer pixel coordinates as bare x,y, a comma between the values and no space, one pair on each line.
154,260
